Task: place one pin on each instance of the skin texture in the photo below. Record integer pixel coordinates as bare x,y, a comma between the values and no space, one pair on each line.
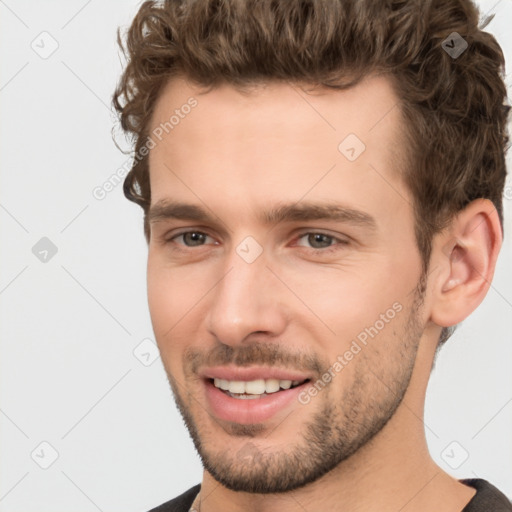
360,441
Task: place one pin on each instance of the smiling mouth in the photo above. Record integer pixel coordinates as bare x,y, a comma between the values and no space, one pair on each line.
259,388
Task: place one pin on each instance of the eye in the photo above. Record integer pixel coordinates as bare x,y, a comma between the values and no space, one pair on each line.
322,241
191,238
318,242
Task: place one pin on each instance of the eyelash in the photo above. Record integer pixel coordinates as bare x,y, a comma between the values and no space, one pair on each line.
325,250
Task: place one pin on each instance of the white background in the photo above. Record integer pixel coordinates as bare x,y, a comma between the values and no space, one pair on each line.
68,374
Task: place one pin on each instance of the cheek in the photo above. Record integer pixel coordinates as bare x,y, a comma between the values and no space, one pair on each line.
166,309
349,301
174,300
158,300
167,299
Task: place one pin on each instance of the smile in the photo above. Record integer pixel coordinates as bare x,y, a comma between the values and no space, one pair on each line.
257,388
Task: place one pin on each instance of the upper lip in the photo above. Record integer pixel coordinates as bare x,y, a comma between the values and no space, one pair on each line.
239,373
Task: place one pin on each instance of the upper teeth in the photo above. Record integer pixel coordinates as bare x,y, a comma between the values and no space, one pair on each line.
254,387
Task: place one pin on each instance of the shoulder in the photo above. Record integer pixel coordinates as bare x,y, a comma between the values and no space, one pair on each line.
181,503
487,498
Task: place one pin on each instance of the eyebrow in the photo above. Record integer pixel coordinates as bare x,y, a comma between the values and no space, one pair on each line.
285,212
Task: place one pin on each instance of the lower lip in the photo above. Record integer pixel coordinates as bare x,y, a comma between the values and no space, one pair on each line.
249,411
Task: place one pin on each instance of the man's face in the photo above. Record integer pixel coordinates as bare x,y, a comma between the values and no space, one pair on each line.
250,304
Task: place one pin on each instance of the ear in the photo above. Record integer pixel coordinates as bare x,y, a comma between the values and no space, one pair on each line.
465,259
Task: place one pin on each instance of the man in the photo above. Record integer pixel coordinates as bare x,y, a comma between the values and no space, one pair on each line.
321,183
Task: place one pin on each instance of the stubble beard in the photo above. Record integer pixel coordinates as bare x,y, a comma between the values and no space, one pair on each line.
335,432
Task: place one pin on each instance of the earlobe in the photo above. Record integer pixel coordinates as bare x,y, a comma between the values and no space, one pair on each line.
466,254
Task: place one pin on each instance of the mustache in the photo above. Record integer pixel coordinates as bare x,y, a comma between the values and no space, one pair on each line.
265,354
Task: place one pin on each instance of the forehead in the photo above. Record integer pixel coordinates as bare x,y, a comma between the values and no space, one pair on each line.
275,136
363,106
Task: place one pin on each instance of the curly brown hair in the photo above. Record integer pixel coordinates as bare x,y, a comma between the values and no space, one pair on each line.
453,108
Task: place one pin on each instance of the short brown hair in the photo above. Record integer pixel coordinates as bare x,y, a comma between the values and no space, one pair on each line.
454,110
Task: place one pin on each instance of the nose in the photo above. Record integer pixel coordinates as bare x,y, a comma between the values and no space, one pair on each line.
249,299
